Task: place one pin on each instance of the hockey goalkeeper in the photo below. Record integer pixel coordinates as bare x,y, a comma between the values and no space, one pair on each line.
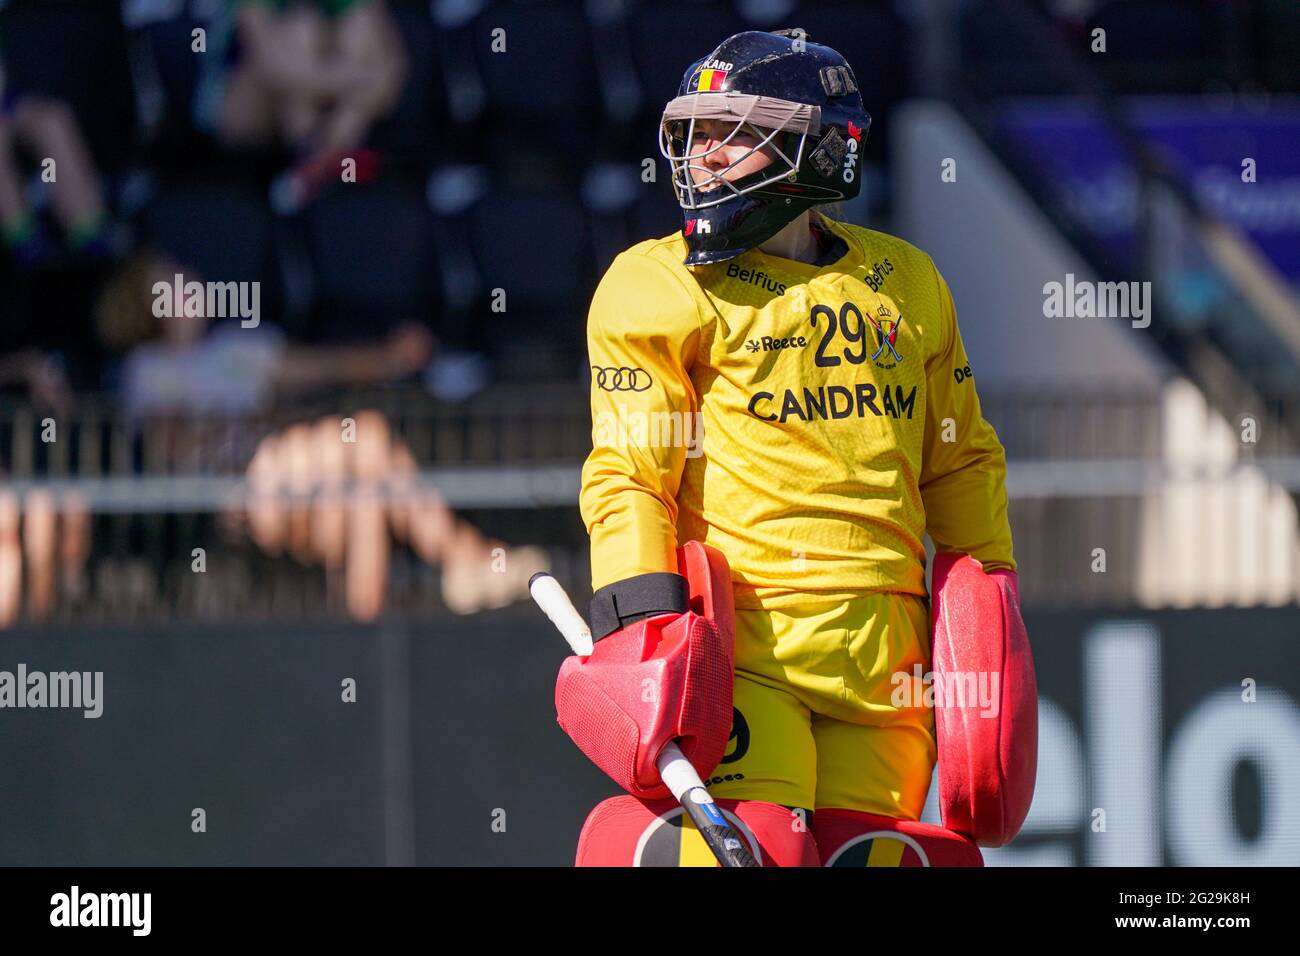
793,392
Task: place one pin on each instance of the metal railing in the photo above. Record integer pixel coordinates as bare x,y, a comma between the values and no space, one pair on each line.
102,523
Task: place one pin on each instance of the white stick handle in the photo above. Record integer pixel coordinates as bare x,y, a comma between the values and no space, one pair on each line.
676,770
550,597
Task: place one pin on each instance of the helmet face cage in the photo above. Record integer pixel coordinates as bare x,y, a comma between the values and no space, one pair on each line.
676,135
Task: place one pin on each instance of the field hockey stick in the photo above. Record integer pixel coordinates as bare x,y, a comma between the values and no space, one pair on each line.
677,773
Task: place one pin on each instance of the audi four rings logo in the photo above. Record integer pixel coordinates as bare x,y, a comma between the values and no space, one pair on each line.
621,379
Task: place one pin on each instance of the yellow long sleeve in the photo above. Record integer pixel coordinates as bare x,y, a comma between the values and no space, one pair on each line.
811,422
642,335
963,465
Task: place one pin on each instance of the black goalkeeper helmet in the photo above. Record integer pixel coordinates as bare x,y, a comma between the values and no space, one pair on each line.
801,99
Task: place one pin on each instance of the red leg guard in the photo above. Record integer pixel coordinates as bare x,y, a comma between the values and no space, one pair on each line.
627,831
854,838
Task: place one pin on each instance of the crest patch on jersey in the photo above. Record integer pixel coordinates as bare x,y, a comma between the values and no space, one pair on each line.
886,323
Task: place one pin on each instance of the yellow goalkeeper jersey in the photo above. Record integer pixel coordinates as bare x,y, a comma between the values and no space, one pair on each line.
811,422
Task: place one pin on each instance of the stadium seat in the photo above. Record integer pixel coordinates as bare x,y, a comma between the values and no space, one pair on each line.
534,247
225,231
1159,46
667,37
542,91
353,236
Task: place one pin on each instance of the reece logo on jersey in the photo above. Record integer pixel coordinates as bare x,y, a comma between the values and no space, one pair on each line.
769,344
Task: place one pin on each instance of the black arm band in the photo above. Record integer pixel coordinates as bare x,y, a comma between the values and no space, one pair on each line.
619,604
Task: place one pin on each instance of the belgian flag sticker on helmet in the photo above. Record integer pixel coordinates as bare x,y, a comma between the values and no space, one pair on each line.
707,81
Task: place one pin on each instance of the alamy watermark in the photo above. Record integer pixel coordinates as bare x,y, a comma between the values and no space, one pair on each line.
213,300
76,690
78,909
639,429
1098,300
968,689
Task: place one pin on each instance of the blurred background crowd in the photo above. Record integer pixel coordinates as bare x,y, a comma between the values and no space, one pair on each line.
424,194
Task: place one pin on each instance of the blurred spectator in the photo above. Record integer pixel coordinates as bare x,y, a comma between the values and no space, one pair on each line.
180,364
44,545
313,75
41,374
318,526
47,131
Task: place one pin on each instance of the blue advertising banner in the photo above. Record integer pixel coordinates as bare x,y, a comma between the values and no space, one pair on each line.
1242,163
1165,738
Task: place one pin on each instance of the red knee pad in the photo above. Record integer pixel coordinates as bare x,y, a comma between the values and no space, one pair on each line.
988,750
628,831
854,838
